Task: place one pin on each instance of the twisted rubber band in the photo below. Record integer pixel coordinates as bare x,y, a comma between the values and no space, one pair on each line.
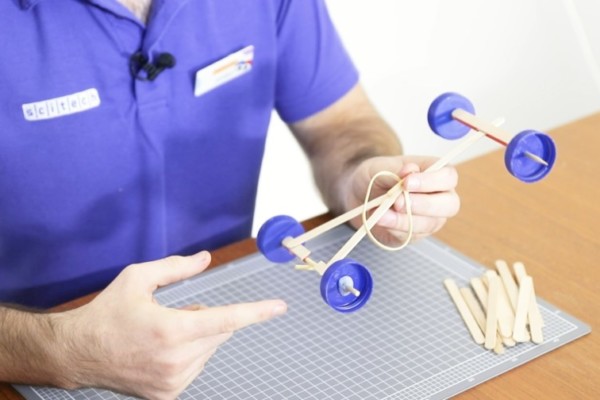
408,212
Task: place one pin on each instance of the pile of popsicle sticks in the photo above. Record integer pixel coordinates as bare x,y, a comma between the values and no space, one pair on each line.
504,312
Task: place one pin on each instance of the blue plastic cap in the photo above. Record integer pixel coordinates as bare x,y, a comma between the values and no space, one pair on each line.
331,292
440,118
271,234
523,167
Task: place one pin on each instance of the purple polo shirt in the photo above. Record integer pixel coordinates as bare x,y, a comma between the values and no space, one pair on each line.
99,170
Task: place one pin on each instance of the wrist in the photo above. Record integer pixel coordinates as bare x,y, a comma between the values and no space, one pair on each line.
345,188
64,353
70,350
29,348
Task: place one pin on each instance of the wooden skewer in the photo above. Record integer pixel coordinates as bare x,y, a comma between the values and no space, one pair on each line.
523,302
464,311
303,253
491,323
535,158
346,286
520,273
480,316
352,290
304,267
312,265
493,132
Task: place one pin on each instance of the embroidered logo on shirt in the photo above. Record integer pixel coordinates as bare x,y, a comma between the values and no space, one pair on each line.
224,70
61,106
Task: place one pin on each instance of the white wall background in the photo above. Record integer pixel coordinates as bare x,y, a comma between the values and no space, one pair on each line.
534,62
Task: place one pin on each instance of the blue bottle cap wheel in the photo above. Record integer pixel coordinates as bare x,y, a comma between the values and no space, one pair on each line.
335,281
271,234
523,167
440,118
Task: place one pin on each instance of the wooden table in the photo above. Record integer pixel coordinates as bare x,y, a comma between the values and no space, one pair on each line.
553,226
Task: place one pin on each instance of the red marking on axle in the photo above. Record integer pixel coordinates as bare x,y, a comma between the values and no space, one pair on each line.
494,138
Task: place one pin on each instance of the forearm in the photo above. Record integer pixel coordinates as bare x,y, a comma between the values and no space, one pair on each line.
30,348
337,141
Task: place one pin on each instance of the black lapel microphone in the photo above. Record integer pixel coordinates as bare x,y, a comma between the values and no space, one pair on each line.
139,62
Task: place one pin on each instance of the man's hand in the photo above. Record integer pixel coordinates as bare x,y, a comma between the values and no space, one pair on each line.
433,197
125,341
348,143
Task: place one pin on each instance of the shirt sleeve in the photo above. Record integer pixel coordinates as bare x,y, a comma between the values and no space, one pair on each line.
313,68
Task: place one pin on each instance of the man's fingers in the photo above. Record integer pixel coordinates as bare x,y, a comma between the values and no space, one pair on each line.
444,204
193,307
171,269
441,180
217,320
394,221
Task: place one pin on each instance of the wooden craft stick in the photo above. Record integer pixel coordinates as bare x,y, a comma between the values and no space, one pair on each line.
479,315
520,273
355,212
297,249
482,295
439,164
508,341
493,132
491,323
535,318
499,348
464,311
480,291
383,203
455,151
511,292
360,233
523,301
506,318
510,285
474,306
505,312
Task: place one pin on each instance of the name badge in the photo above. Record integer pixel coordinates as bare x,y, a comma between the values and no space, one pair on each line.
226,69
61,106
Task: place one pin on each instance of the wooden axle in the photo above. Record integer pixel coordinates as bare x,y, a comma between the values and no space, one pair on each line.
493,132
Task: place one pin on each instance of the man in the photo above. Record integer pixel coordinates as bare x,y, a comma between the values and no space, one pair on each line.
125,142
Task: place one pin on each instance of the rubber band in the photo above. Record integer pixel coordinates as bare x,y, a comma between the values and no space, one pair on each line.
408,212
